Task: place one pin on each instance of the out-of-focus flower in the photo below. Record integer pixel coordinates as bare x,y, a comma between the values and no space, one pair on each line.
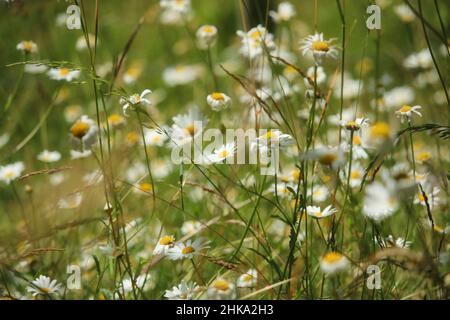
206,36
218,101
184,291
223,153
284,13
256,41
27,47
62,73
380,202
72,201
164,244
404,13
333,262
318,213
180,75
49,156
221,289
11,172
84,132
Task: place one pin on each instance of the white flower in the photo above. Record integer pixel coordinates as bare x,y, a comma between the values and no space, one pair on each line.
319,75
161,168
63,74
82,44
84,132
180,75
186,250
356,175
206,36
333,262
248,279
154,137
132,73
390,241
134,100
35,68
141,282
406,111
179,6
273,136
11,172
223,153
319,193
27,47
184,291
316,212
332,157
320,48
284,13
256,41
399,96
187,127
72,201
421,59
164,244
404,12
4,139
221,289
432,197
379,202
191,227
74,154
43,285
49,156
218,101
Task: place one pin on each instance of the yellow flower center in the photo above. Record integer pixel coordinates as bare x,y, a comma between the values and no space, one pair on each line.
145,186
9,174
380,130
115,119
296,174
405,109
328,159
421,197
332,257
247,277
179,68
45,290
223,154
208,29
79,129
217,96
166,240
28,46
423,156
132,137
320,46
63,72
221,285
355,175
356,140
190,129
352,126
134,72
187,250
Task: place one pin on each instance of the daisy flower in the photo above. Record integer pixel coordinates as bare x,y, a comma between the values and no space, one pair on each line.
223,153
255,42
72,113
406,112
319,193
320,48
164,244
333,262
132,73
11,172
154,137
115,120
332,157
62,73
316,212
143,188
134,101
180,75
221,289
186,250
218,101
27,47
398,96
191,227
82,44
356,175
179,6
43,285
187,127
35,68
84,132
283,190
75,154
248,279
379,202
405,13
49,156
184,291
390,241
423,156
421,59
284,13
161,168
72,201
206,35
432,197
